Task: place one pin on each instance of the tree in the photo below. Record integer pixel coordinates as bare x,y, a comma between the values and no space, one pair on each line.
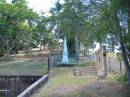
3,1
112,21
95,20
44,31
21,2
102,18
14,25
72,21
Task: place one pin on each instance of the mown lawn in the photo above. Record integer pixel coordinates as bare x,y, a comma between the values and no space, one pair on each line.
63,82
30,67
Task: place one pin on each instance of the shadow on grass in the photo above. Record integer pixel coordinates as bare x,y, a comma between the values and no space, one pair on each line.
98,89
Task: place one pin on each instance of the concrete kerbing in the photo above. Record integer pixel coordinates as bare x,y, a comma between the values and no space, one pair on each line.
35,86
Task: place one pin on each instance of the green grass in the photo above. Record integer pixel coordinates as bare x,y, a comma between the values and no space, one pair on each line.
62,77
84,64
32,67
123,78
62,83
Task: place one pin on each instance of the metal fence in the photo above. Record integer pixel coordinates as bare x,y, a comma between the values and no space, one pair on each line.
115,66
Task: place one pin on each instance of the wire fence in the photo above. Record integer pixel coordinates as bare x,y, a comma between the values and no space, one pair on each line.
115,66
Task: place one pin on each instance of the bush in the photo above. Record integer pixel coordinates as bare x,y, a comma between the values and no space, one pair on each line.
122,78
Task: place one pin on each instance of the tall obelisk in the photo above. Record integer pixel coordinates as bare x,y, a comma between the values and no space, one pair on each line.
65,59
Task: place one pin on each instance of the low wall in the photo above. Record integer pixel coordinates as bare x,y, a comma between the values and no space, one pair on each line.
11,86
35,86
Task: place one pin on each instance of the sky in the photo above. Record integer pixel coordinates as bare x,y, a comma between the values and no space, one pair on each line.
41,5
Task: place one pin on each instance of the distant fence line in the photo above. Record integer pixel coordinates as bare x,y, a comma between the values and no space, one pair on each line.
35,86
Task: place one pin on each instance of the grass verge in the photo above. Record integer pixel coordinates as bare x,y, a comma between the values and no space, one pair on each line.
63,82
31,67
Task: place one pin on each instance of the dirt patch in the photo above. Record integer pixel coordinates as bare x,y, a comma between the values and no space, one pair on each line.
95,89
22,56
62,90
24,65
104,88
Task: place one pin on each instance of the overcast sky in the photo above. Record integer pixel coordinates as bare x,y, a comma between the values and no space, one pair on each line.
41,5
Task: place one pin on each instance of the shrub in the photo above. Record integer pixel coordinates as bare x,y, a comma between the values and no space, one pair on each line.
122,78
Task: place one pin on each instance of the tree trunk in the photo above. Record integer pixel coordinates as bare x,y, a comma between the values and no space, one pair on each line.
127,66
49,62
128,54
129,18
77,46
120,59
113,44
129,27
120,66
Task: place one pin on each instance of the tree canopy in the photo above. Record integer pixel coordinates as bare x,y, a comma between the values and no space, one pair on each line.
96,20
82,21
19,26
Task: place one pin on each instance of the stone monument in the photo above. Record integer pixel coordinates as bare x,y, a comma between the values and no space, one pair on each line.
65,59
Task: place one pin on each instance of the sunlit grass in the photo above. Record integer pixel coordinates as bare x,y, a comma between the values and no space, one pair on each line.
32,67
84,64
62,77
62,83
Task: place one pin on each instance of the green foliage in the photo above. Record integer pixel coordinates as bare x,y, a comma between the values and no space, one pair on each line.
15,27
19,26
122,78
21,2
112,21
45,35
3,1
93,20
70,20
84,64
33,66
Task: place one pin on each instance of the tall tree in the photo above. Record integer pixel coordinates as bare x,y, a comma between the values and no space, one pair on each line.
3,1
112,21
23,2
72,19
14,25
